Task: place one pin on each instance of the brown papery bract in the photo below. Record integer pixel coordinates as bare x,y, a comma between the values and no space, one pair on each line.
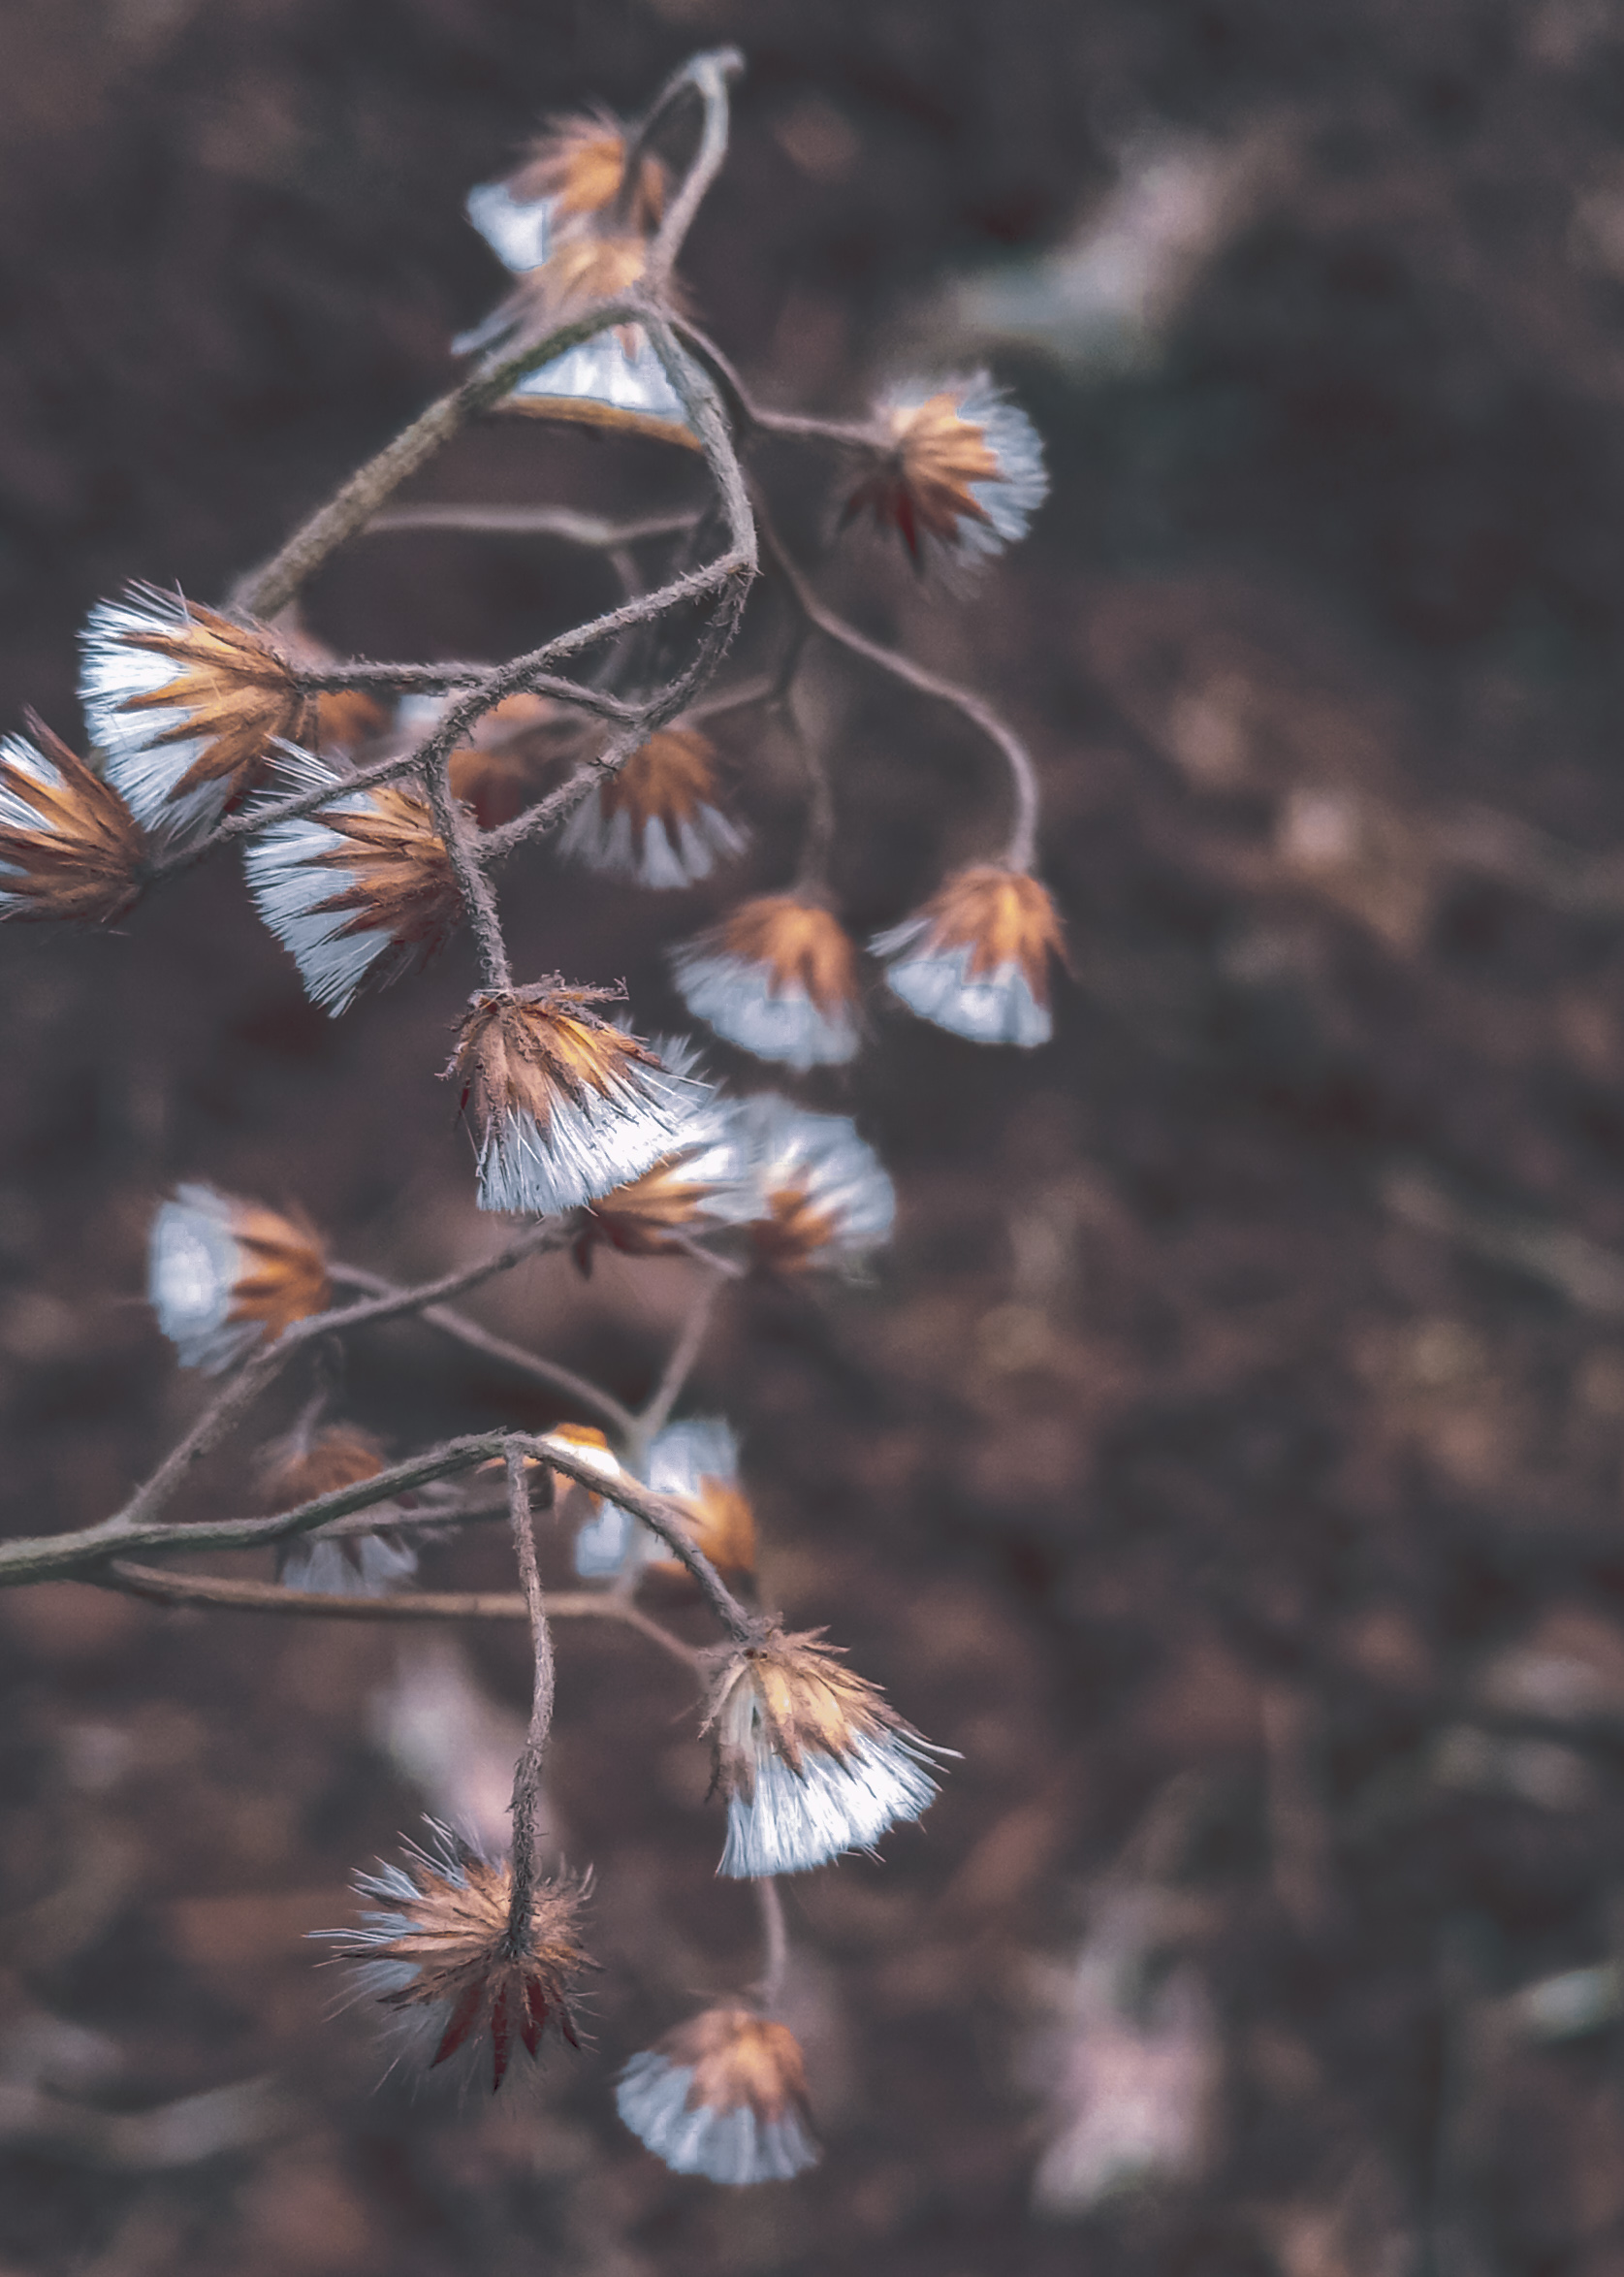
402,880
580,163
799,942
1001,918
82,861
236,686
282,1278
922,489
524,1051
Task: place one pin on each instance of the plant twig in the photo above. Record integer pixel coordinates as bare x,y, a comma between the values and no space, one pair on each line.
1021,849
551,1374
159,1587
774,1942
527,1771
678,1365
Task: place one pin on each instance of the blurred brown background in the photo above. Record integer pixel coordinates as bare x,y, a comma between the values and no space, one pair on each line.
1228,1458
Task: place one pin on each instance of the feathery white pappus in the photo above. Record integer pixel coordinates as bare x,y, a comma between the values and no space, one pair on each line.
69,846
820,1194
360,890
723,2096
654,820
778,977
811,1760
614,380
964,475
221,1273
185,706
566,1107
975,959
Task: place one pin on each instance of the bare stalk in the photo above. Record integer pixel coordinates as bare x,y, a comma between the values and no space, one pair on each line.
580,530
550,1374
266,590
679,1366
160,1588
527,1771
708,75
774,1942
478,897
1021,851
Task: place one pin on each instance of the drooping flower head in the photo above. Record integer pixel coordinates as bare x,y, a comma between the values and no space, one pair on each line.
723,2096
438,1953
963,477
566,1107
69,846
700,1187
976,958
341,1565
778,977
604,1531
810,1757
655,819
186,706
696,1461
360,890
572,175
822,1197
222,1273
612,381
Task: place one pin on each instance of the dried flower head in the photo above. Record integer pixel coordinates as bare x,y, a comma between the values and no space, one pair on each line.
222,1273
571,175
600,1545
338,1565
68,847
962,476
566,1106
821,1195
778,977
696,1461
723,2096
439,1954
361,890
186,705
655,819
810,1757
614,380
976,958
700,1187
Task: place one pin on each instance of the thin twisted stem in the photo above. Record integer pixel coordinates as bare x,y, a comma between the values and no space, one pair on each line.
527,1771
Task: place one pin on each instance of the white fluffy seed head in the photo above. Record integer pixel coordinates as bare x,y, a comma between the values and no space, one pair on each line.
735,2147
818,1194
740,999
288,883
798,1819
193,1266
142,768
652,854
990,1007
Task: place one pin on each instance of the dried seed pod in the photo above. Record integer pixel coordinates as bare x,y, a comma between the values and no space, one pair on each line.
305,1465
976,957
820,1195
223,1274
566,1107
654,820
701,1187
69,846
810,1757
696,1463
360,891
723,2096
571,175
439,1954
778,977
187,706
963,477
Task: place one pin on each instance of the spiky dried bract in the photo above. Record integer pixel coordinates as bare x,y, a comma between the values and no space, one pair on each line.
963,477
69,846
701,1187
723,2096
778,977
570,175
342,1565
187,706
976,958
811,1758
566,1107
696,1461
439,1954
821,1195
223,1274
655,819
361,890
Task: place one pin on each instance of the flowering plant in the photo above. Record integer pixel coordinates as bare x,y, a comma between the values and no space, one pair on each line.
374,804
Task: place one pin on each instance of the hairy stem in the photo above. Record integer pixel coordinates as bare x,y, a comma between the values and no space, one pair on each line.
266,590
774,1942
479,898
550,1374
1022,848
527,1771
159,1587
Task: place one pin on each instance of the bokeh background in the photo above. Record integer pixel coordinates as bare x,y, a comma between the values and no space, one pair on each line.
1228,1456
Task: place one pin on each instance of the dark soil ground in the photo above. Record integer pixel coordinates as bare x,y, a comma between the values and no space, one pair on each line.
1235,1433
